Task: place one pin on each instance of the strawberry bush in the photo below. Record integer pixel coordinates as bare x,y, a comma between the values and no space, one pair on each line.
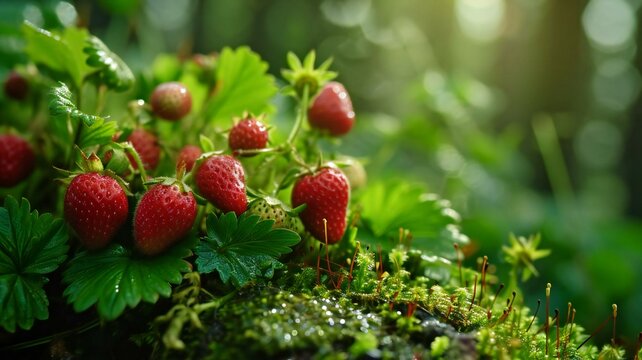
202,208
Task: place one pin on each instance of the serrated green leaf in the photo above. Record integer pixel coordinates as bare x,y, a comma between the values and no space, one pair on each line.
22,301
61,105
243,249
62,53
31,246
76,39
112,70
99,133
242,84
393,205
116,277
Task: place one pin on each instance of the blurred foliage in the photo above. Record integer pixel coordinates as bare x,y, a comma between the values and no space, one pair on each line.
523,113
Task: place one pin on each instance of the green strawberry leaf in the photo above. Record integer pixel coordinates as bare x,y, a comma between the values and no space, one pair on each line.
113,71
31,246
62,106
117,277
243,249
242,84
99,133
60,52
393,205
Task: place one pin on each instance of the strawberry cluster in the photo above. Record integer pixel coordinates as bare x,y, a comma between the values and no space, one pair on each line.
100,202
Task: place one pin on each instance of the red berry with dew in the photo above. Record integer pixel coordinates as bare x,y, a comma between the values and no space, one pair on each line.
331,110
326,194
164,215
95,207
248,134
221,180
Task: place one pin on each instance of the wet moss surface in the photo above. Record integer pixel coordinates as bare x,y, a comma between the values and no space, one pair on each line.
269,322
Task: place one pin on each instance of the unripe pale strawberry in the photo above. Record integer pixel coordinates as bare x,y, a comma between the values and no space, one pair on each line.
275,210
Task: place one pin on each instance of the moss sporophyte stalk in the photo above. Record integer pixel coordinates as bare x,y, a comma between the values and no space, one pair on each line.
204,209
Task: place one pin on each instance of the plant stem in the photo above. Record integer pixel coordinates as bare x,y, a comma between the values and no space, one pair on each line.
301,116
215,303
100,102
70,157
139,164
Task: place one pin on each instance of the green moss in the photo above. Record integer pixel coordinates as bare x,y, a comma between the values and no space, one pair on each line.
274,323
399,315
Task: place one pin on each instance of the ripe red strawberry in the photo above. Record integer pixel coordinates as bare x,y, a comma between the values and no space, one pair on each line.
16,86
16,160
188,156
332,110
248,134
146,145
221,180
163,216
171,101
95,207
326,194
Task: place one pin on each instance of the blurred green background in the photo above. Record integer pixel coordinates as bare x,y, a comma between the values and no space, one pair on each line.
524,113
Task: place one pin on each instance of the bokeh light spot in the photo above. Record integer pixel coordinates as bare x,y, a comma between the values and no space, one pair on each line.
598,144
609,24
616,84
66,13
346,13
480,20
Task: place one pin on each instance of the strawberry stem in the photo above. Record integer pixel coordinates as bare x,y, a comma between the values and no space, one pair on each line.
139,163
302,115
